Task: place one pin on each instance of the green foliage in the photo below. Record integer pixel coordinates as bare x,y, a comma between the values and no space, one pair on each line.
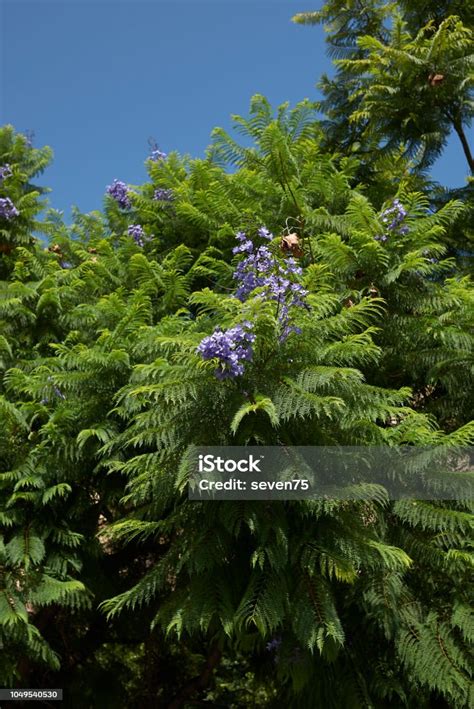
403,80
103,397
415,89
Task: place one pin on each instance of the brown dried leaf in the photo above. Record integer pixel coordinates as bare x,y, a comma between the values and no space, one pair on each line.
436,79
291,243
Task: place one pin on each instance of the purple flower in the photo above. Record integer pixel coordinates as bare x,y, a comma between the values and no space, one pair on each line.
55,390
5,171
163,195
260,269
273,645
245,246
157,155
231,347
7,208
65,264
138,233
393,217
264,233
119,191
255,270
292,267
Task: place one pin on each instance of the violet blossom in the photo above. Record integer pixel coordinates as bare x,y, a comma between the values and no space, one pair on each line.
231,347
119,191
157,155
163,195
138,233
260,269
5,171
7,208
393,217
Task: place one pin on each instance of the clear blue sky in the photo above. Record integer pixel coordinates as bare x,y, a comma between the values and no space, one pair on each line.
94,79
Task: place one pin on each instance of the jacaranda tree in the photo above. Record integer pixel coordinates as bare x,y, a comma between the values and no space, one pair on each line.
284,302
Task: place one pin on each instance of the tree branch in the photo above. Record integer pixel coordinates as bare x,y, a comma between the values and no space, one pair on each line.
458,127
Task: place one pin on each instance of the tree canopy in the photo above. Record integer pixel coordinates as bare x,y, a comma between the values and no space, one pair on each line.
317,293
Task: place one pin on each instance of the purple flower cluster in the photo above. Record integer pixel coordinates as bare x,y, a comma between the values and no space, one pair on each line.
138,233
7,208
231,347
5,171
260,269
273,645
55,390
264,233
157,155
163,195
393,217
119,191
